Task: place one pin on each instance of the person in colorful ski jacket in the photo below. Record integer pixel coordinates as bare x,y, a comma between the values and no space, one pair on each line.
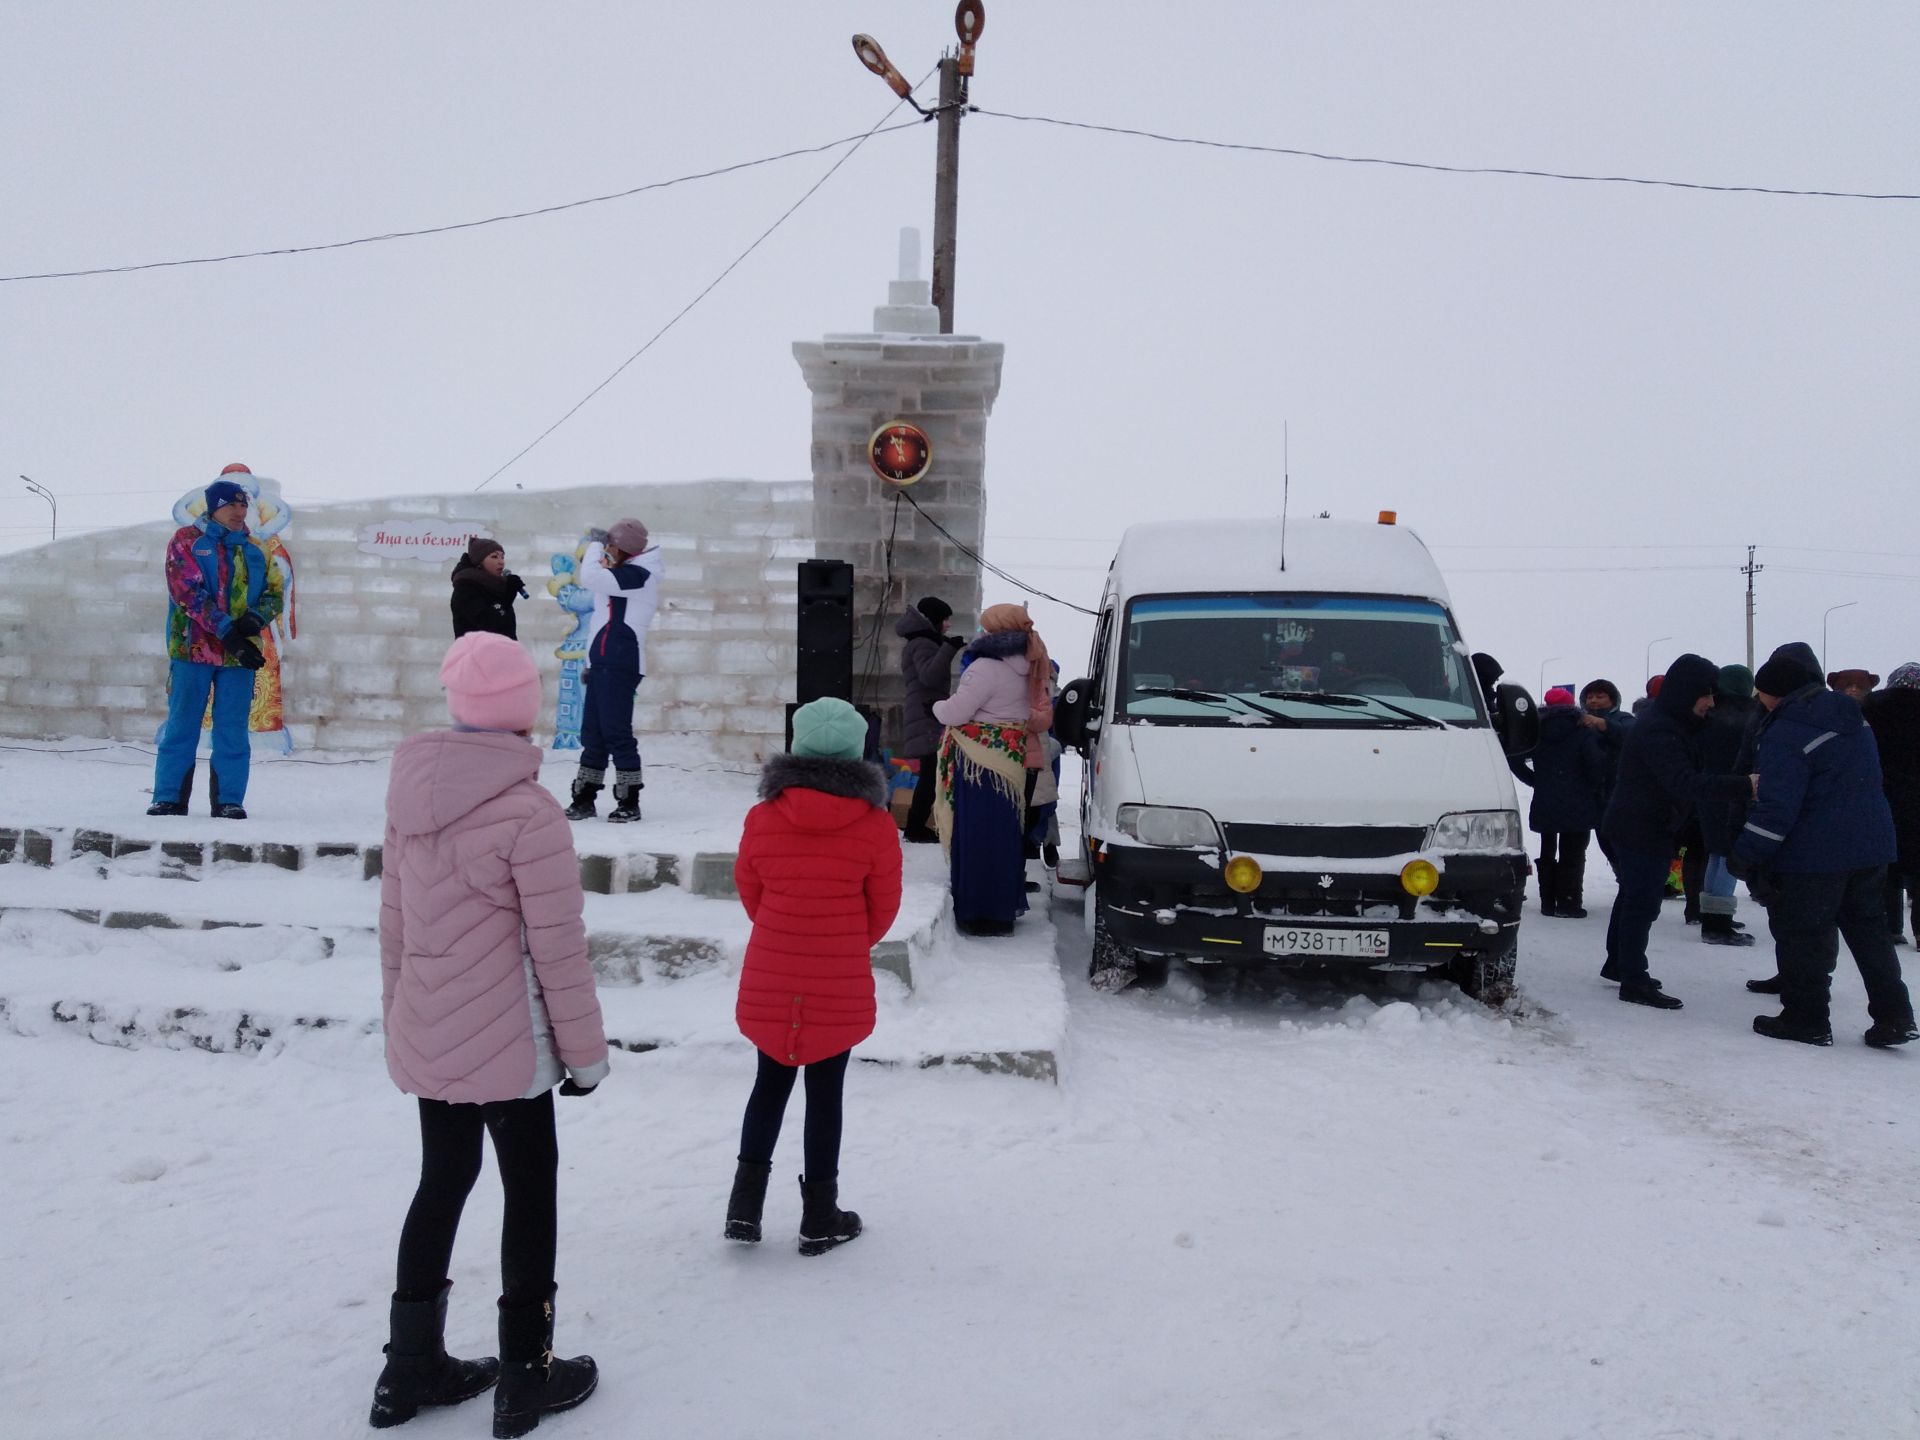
222,592
622,568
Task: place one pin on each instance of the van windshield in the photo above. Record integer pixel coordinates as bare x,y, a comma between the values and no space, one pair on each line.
1352,661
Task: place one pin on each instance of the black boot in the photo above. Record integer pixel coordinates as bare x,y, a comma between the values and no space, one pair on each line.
532,1382
626,798
585,792
1768,986
1548,874
177,805
419,1371
1785,1027
1648,992
1570,887
748,1197
1718,930
823,1224
1885,1034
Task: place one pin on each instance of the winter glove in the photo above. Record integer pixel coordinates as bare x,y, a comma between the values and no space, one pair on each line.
567,1087
1764,888
517,583
1739,867
243,650
247,626
959,642
600,536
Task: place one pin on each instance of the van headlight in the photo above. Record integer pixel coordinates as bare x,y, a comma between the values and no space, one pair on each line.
1171,826
1476,830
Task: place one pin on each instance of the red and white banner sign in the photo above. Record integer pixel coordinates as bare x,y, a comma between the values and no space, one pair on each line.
418,539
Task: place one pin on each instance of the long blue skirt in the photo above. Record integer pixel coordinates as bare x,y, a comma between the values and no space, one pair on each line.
986,855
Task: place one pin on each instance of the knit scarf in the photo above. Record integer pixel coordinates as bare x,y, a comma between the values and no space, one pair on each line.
981,754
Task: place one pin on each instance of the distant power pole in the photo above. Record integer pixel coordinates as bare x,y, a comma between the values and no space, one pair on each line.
1750,570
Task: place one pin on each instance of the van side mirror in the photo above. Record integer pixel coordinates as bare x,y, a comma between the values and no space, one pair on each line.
1070,714
1517,719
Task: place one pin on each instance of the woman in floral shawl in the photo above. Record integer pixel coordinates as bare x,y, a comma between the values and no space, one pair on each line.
994,718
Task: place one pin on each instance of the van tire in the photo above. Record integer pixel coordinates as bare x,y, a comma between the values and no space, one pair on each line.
1486,977
1112,967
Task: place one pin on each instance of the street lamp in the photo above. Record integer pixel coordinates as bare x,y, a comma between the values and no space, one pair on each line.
1646,666
1823,628
47,495
1543,675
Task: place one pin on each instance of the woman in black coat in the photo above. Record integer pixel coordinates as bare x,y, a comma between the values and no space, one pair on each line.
484,590
926,662
1568,773
1894,714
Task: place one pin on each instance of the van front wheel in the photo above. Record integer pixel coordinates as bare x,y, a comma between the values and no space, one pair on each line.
1487,976
1113,966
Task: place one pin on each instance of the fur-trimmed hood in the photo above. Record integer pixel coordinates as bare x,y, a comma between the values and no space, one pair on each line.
860,780
1004,645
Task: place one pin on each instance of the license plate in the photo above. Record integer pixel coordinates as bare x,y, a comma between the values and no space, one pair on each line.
1306,940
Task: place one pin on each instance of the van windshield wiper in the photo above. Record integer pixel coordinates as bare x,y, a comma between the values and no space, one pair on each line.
1316,697
1214,697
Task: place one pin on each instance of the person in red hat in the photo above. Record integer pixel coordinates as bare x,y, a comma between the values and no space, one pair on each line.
1567,772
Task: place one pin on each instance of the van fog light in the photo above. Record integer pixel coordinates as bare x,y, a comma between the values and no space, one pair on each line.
1242,874
1418,877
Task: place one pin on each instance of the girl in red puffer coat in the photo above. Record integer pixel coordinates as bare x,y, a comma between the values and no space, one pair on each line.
819,873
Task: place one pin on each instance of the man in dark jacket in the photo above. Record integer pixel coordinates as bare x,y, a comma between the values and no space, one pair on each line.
1726,748
927,662
1567,774
1894,716
1658,783
1815,849
1600,699
484,590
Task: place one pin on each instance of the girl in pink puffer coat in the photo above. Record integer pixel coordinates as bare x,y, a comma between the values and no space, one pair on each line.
488,1001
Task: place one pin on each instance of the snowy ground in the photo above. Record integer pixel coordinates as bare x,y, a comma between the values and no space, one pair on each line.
1307,1211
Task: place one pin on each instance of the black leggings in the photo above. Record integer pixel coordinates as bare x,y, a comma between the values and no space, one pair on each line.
528,1154
767,1106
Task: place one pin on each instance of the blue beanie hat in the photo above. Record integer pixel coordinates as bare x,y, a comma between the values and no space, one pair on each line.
225,492
829,729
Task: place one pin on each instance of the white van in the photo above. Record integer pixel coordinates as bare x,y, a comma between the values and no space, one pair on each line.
1293,760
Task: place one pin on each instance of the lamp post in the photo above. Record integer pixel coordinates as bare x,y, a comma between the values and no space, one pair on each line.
1823,628
1543,674
969,21
47,495
1646,666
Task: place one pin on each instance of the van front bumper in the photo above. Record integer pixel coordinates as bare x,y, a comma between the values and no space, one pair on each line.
1175,902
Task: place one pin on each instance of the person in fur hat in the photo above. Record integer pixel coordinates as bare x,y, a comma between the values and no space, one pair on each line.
1857,684
818,871
484,590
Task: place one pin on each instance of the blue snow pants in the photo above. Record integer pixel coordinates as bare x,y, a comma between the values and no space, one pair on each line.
606,727
187,688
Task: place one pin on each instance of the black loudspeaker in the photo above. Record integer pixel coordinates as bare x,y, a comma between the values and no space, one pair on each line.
826,631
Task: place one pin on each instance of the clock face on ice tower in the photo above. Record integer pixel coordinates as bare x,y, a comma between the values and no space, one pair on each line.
900,453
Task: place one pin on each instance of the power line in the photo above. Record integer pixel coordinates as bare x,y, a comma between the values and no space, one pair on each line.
711,285
981,560
1442,169
1852,574
854,140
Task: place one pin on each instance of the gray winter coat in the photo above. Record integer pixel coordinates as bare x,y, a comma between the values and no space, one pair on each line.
927,662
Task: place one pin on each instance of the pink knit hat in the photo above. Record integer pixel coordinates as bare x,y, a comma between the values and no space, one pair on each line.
492,683
1559,695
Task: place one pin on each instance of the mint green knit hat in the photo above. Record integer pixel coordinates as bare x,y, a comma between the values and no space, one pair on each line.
829,729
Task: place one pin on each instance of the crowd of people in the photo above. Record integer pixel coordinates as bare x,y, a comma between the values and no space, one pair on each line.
1805,787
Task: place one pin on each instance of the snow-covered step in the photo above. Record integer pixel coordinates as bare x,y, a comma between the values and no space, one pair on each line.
664,934
995,1006
181,849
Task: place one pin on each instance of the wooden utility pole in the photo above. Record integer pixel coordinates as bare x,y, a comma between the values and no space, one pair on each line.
946,186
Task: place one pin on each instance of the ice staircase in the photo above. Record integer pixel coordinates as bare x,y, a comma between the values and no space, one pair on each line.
229,945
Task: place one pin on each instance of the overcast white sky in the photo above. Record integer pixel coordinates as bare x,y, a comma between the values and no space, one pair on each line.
1535,368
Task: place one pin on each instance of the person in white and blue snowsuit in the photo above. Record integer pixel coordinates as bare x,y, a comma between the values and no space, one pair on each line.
623,571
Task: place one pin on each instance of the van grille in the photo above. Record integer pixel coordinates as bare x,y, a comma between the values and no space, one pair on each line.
1335,842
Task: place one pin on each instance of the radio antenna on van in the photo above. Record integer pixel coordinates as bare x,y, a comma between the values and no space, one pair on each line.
1286,486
